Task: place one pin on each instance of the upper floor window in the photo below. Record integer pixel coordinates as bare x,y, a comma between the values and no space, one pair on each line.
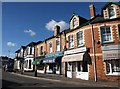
71,41
119,31
74,22
50,47
41,50
106,34
57,45
80,38
111,11
36,51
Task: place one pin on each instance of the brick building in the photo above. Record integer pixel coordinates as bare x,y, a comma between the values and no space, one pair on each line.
99,38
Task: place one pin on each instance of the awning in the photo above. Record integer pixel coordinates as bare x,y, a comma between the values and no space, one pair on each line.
37,61
73,57
52,60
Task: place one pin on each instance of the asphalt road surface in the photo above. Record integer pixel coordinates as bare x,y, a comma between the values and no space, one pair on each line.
14,81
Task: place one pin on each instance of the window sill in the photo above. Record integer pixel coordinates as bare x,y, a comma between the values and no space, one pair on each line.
113,74
80,45
107,42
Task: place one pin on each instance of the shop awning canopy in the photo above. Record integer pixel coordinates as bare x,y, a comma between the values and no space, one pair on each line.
37,61
52,60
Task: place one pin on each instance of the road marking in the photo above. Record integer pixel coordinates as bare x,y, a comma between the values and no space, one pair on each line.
37,77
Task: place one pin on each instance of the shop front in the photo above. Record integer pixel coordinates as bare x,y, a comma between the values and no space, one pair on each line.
76,63
52,63
111,57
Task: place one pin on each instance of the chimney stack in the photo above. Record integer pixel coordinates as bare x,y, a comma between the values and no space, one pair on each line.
92,11
56,30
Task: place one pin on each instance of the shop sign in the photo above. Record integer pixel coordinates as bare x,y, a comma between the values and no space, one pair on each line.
54,55
78,50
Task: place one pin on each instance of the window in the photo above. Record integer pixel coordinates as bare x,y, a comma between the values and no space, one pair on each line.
113,67
119,31
41,50
32,50
69,66
36,51
29,64
111,11
71,41
50,47
79,66
80,38
106,34
57,45
74,22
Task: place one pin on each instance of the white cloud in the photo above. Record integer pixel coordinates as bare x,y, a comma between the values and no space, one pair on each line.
32,33
11,44
51,24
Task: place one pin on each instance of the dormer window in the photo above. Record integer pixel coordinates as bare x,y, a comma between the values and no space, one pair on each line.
111,11
74,22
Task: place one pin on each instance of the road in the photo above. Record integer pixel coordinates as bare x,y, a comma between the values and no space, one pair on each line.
13,81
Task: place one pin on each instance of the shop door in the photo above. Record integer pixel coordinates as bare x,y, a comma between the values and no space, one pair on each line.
73,69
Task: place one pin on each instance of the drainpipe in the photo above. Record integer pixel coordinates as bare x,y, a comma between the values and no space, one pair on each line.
94,56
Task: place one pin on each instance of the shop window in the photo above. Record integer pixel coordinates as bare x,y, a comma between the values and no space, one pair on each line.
79,66
85,66
71,41
111,11
50,47
69,66
113,67
80,38
106,34
29,64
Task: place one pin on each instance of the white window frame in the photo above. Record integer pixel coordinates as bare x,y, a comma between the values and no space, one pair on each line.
58,46
71,41
74,22
111,17
81,39
110,67
103,34
50,48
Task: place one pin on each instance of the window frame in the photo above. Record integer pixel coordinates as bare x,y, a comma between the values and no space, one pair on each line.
50,48
112,10
78,45
111,67
71,41
101,32
74,22
58,46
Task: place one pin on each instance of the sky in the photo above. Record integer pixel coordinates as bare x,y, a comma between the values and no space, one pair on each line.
24,22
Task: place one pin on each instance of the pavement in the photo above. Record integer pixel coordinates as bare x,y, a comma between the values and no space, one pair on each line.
61,78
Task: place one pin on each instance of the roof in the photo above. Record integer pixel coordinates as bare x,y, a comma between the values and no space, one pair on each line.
31,43
109,3
17,51
49,38
97,19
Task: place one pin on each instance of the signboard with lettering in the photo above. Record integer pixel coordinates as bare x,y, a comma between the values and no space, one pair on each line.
54,55
111,52
73,51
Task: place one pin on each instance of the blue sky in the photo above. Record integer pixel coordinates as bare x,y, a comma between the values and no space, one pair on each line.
23,22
